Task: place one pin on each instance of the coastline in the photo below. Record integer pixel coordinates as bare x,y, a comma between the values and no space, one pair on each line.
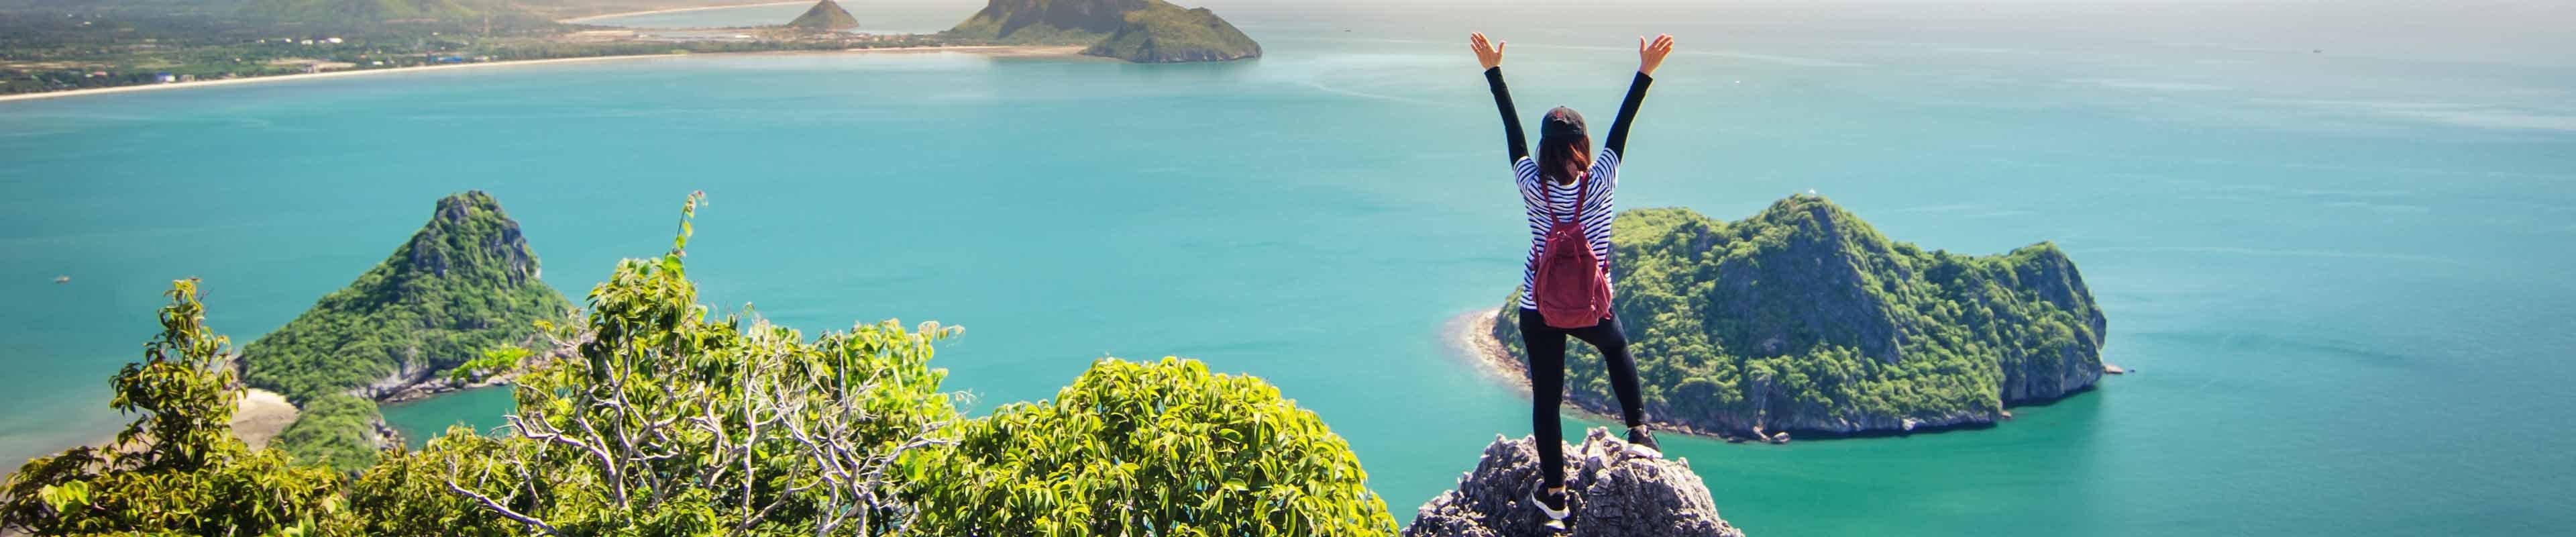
1472,333
580,19
1013,51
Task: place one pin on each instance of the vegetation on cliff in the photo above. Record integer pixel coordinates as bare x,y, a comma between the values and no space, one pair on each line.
1803,317
465,283
1151,31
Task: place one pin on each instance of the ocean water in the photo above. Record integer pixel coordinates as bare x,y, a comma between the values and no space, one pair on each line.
2343,277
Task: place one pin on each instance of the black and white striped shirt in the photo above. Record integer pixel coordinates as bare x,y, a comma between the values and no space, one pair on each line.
1549,202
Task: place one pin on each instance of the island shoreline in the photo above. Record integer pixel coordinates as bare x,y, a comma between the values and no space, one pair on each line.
1012,51
1471,334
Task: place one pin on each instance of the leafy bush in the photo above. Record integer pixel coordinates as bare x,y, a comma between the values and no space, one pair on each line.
659,420
337,430
177,467
1147,449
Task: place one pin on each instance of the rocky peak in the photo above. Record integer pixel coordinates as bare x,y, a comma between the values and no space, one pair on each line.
469,229
826,16
1613,495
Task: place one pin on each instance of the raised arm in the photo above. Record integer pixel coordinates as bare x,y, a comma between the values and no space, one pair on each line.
1650,55
1490,55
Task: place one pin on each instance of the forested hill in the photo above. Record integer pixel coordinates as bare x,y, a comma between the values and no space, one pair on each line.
1805,318
1149,31
465,283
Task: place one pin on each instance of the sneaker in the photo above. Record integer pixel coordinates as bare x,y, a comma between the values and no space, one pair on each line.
1642,443
1555,510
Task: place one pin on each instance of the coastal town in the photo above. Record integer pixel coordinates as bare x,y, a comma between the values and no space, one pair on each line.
107,47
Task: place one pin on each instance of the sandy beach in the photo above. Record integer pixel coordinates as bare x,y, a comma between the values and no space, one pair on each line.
586,18
991,50
1472,334
260,416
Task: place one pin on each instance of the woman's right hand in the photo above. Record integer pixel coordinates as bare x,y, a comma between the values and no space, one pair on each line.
1650,54
1488,53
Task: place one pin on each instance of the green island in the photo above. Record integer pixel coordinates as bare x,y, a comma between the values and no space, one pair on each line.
1804,318
1143,31
55,46
465,284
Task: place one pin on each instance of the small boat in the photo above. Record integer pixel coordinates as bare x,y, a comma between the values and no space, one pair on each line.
62,279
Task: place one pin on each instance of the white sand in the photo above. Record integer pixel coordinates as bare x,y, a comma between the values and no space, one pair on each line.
1013,51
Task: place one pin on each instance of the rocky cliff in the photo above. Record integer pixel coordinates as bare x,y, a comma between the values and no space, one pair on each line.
1146,31
1805,318
1612,495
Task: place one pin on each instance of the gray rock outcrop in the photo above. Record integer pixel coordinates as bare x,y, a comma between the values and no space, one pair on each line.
1611,495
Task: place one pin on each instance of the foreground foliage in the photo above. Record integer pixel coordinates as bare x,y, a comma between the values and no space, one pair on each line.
177,467
654,417
1148,449
1804,317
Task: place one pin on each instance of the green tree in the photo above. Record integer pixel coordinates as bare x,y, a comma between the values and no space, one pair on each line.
336,430
177,468
659,420
1147,449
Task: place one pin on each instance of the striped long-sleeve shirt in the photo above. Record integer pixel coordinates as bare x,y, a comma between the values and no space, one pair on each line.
1549,202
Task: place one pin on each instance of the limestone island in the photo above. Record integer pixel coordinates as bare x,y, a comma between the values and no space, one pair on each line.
464,284
1803,318
1142,31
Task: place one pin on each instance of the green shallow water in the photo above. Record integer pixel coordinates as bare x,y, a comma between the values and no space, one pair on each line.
2343,279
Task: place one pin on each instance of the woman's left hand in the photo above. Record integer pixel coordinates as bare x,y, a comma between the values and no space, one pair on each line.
1650,55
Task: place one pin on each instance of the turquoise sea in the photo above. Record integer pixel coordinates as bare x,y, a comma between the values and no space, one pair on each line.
2343,269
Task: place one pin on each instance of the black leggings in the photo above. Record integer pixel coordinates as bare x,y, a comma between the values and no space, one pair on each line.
1546,346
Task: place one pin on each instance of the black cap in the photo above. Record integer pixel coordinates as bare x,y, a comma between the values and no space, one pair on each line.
1562,124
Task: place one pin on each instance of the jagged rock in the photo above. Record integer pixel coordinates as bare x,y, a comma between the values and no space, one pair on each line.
1612,495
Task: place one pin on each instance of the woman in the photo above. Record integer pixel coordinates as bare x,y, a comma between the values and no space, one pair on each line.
1567,191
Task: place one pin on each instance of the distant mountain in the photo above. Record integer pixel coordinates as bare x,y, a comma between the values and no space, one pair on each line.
1135,30
466,282
1805,318
825,15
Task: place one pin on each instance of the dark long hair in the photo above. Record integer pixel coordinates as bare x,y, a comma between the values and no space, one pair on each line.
1561,161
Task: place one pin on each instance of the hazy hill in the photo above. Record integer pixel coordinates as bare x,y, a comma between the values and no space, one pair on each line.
1134,30
825,15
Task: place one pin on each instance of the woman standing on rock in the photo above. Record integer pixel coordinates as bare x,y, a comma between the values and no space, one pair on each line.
1567,192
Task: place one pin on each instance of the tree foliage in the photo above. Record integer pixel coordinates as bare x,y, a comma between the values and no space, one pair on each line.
177,467
652,416
337,430
1147,449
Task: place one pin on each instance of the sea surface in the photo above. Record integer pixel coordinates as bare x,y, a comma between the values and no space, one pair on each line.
2343,271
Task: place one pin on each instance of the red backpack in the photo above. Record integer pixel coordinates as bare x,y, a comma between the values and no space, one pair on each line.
1570,288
